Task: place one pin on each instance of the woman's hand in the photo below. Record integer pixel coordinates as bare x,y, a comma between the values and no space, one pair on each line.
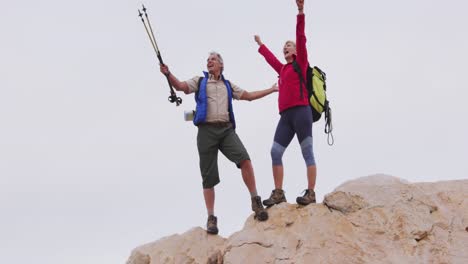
258,40
300,6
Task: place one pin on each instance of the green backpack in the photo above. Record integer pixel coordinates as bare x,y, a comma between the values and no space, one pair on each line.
317,93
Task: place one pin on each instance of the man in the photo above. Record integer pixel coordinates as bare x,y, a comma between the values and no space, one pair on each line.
214,118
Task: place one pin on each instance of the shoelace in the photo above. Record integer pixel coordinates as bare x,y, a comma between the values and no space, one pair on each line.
258,202
277,192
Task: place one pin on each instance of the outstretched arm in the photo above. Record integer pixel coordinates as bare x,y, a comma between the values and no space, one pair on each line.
250,96
178,85
269,57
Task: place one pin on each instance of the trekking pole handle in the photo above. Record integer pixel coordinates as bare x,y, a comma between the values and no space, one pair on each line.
173,98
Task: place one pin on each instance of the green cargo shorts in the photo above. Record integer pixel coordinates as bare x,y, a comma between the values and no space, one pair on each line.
212,138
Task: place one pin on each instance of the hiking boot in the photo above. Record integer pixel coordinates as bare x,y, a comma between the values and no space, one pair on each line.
276,197
212,225
309,197
257,207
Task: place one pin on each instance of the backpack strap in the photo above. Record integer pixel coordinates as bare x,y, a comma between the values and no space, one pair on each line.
324,75
200,99
197,93
301,77
232,90
198,85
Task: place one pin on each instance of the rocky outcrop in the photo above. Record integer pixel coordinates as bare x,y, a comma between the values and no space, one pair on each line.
375,219
194,246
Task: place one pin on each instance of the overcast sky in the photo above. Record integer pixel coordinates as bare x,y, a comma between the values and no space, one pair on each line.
94,161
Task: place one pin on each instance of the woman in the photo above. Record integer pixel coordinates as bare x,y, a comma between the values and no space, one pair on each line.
296,115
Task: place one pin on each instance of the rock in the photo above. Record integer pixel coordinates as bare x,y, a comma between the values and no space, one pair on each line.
374,219
194,246
139,258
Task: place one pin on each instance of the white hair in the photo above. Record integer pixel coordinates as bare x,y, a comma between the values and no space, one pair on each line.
220,59
290,41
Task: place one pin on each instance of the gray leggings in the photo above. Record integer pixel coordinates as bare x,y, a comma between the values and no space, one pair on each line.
296,120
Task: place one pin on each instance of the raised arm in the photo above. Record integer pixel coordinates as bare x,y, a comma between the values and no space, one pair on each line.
250,96
269,57
178,85
301,39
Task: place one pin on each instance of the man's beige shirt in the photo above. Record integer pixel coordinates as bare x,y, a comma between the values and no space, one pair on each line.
217,98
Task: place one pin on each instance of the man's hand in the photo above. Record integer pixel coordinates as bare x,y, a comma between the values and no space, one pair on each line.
274,87
164,69
300,5
258,40
178,85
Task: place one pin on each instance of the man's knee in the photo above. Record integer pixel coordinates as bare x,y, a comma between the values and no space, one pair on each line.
277,154
210,182
245,164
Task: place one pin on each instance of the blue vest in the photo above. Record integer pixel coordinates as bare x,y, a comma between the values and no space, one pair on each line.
200,98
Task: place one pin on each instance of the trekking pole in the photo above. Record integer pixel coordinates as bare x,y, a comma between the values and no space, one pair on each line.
173,97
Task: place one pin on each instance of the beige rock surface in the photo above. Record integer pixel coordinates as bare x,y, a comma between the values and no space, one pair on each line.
375,219
194,246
